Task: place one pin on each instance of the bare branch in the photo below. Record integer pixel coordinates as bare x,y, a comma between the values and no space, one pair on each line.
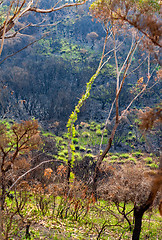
4,28
13,54
10,23
18,31
30,170
53,9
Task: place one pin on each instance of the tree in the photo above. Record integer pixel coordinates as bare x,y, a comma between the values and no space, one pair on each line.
116,14
141,15
18,9
16,140
132,184
92,36
132,13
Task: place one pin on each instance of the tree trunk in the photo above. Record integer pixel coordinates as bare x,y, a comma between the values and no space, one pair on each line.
94,186
68,171
69,162
138,214
3,189
100,159
140,210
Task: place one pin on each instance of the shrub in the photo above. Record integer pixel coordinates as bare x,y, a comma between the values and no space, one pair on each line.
85,134
75,140
78,157
99,132
64,143
93,123
47,134
65,151
82,149
77,147
153,165
124,155
114,154
137,154
105,134
89,155
61,154
89,150
98,126
114,157
77,134
148,160
62,158
65,136
92,128
132,159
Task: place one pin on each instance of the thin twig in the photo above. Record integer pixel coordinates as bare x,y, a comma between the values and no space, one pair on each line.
30,170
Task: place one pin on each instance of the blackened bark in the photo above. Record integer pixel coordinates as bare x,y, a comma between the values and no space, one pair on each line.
3,187
94,186
140,210
138,214
100,159
68,171
27,235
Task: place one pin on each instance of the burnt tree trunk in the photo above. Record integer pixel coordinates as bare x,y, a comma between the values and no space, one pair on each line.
138,214
100,159
69,162
140,210
3,188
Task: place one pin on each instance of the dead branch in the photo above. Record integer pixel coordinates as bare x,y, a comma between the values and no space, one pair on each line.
13,54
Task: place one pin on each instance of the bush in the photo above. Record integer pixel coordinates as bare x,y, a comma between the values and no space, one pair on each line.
61,154
89,150
114,157
92,128
99,132
98,126
105,134
89,155
153,165
132,159
137,154
148,160
64,143
78,157
114,154
77,147
85,134
65,136
77,134
75,140
124,155
82,149
65,151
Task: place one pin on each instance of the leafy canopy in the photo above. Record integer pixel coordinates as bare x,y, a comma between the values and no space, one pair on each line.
144,15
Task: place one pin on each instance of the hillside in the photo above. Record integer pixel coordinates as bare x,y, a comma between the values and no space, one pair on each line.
46,80
80,126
